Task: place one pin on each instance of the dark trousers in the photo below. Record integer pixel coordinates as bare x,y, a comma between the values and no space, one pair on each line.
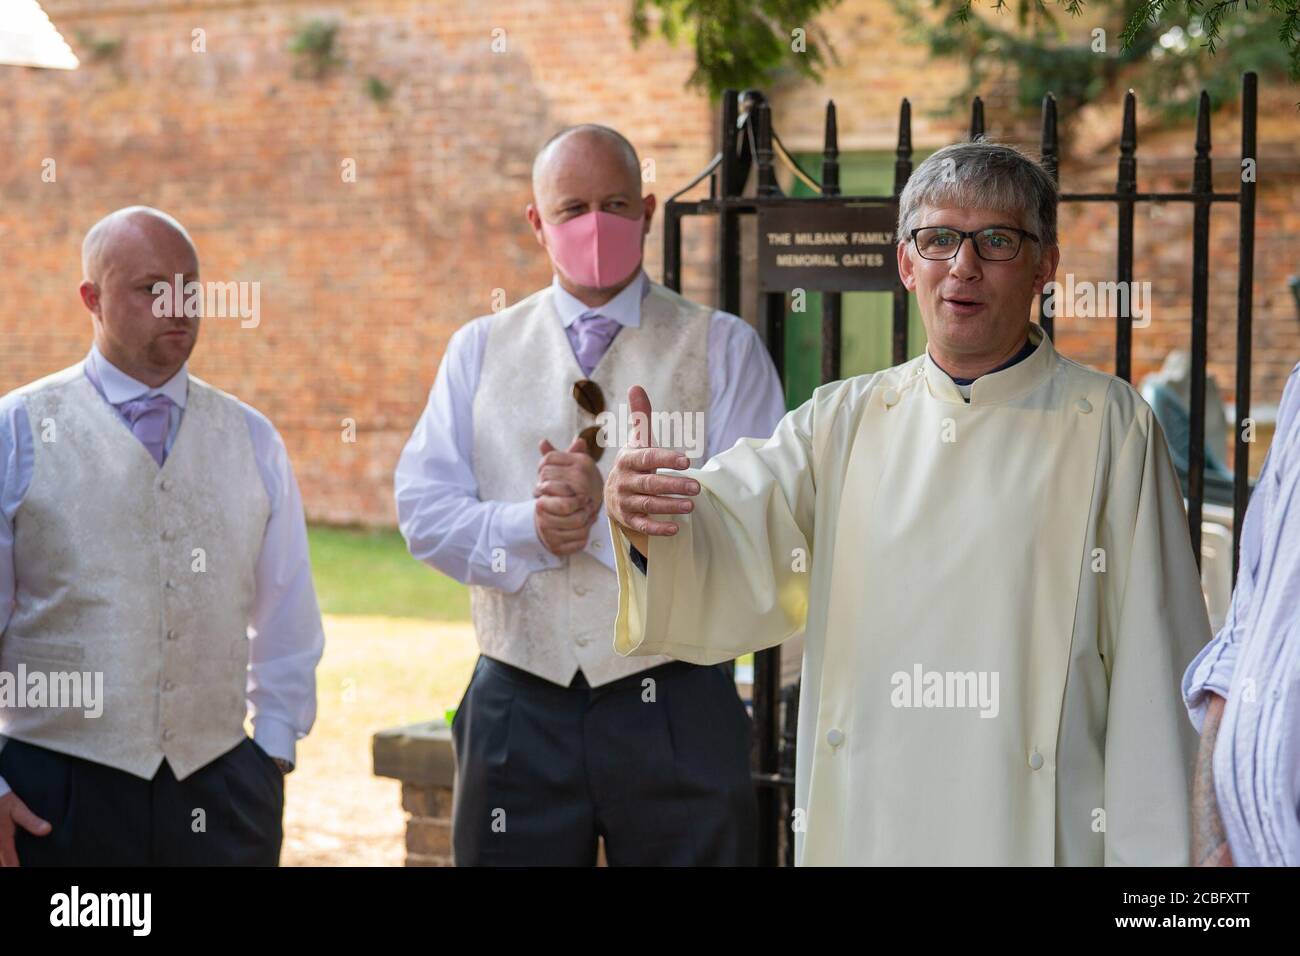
660,770
101,816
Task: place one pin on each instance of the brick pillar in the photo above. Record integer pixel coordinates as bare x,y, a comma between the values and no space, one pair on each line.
420,756
428,830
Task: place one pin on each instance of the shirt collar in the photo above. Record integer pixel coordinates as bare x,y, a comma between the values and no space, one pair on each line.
999,386
119,387
624,308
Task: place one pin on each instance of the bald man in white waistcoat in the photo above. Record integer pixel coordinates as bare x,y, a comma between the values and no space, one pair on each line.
153,571
500,487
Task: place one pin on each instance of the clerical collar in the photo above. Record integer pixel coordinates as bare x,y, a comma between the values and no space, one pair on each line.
1025,351
1021,375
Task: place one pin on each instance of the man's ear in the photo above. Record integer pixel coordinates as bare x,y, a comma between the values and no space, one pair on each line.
1045,271
535,220
89,293
905,270
650,204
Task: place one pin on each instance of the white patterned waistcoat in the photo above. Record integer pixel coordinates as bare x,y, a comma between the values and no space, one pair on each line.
142,573
563,617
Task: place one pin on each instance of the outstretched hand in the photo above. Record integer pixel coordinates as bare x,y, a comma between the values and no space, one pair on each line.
634,491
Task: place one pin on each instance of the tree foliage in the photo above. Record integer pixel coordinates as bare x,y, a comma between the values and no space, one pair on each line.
739,43
1166,49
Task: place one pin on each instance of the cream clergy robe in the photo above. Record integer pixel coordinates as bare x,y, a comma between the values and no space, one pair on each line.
1035,537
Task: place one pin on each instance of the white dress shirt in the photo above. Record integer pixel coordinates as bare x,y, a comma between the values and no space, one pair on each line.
441,516
286,637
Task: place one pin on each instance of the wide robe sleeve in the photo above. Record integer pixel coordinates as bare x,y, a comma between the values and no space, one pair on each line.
1155,625
734,578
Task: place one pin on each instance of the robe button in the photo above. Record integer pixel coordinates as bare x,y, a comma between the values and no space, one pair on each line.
835,737
1035,760
166,484
1084,405
890,397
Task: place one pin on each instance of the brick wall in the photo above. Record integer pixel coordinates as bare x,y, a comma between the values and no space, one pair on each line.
363,283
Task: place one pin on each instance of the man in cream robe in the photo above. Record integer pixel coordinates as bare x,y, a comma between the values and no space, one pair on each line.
990,560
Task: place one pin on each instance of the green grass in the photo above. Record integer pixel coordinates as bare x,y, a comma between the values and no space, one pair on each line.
370,572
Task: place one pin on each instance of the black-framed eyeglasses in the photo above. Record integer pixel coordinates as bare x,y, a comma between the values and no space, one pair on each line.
992,243
592,401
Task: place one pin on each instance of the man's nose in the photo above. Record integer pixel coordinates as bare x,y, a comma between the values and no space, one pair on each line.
966,263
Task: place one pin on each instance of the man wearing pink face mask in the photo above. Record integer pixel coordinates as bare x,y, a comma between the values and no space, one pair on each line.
558,740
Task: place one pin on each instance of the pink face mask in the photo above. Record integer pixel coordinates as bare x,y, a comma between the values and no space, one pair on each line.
597,249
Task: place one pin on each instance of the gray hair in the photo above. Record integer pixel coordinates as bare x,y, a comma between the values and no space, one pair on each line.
92,247
982,175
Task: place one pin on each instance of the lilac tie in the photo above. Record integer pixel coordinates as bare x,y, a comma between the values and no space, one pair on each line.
150,421
595,332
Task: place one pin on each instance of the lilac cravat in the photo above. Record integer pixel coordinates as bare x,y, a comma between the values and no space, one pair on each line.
594,333
150,420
